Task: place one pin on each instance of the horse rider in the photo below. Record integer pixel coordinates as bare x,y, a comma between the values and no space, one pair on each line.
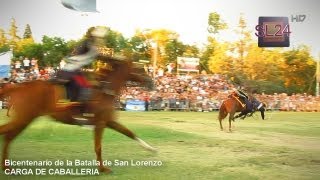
77,86
245,99
241,93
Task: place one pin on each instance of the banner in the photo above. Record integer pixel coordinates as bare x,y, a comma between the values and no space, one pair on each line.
188,64
135,105
5,61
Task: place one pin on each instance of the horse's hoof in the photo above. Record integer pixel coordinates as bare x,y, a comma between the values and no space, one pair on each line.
105,170
145,145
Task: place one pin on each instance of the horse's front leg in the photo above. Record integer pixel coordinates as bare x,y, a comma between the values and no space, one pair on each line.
250,114
98,132
237,116
241,115
125,131
244,116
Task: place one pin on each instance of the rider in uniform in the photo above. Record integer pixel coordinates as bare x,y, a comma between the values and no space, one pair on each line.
241,93
245,99
76,84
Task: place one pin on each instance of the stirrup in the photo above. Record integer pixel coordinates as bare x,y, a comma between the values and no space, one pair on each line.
79,118
62,105
69,103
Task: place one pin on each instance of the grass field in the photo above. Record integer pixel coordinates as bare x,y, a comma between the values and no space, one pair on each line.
190,146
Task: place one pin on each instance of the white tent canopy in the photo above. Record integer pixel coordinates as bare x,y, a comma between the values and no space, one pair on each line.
5,61
80,5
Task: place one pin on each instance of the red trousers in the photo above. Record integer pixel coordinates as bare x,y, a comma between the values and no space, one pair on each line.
81,81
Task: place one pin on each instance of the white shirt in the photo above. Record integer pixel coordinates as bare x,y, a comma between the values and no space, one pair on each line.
76,62
62,64
17,64
26,62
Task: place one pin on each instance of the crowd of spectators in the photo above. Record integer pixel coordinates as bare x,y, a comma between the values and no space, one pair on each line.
183,92
179,92
27,70
295,102
206,93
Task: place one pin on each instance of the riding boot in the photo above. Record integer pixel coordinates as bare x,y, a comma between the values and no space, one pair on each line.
84,94
84,97
74,91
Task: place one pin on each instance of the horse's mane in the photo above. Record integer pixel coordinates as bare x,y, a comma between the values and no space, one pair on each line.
136,72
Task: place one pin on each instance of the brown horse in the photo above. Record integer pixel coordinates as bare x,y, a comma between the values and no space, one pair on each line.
37,98
233,105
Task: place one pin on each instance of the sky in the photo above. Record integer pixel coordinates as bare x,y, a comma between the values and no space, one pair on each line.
189,18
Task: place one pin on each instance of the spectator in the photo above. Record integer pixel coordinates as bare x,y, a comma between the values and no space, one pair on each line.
17,65
26,63
34,62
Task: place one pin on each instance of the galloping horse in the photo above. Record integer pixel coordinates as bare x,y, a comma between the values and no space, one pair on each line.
232,105
37,98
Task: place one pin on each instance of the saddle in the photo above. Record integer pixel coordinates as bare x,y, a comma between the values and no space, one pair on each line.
70,98
245,103
239,99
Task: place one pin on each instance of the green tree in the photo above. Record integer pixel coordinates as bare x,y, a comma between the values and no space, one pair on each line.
299,69
32,50
239,51
4,48
19,45
262,70
242,46
116,40
174,49
140,48
27,32
219,62
13,33
19,49
160,38
72,44
191,51
207,52
3,38
54,49
215,23
3,42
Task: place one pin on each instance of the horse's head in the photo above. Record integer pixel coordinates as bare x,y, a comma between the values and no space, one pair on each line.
121,72
139,77
257,105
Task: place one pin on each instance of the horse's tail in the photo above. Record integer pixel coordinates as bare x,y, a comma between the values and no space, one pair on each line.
222,111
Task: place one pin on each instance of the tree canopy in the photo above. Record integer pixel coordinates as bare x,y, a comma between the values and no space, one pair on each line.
242,61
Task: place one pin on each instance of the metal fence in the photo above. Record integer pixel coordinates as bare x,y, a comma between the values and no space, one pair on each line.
214,105
183,105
